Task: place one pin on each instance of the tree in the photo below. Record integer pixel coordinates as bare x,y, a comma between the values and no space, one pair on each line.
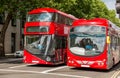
88,9
79,8
17,8
91,9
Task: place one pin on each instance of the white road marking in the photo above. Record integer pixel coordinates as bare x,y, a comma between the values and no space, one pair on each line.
19,71
46,71
59,74
43,72
67,75
17,66
37,72
115,74
20,66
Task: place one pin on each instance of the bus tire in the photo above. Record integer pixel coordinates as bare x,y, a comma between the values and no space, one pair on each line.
110,66
113,62
65,59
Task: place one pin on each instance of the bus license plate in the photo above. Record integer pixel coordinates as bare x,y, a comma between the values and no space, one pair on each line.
85,66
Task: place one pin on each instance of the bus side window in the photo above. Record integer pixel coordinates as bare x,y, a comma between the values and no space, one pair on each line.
67,21
55,17
70,22
64,42
59,18
115,43
118,41
58,43
111,44
63,19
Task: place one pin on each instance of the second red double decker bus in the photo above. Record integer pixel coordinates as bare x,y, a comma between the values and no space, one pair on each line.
46,31
94,43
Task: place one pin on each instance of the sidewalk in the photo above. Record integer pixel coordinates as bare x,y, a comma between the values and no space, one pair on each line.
11,60
7,56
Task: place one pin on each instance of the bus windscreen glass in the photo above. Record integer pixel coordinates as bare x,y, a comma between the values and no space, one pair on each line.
40,45
42,17
87,40
38,29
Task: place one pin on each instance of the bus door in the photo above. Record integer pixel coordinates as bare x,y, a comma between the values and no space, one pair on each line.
60,51
110,54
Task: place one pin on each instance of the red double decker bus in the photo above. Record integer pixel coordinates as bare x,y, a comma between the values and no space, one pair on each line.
94,43
46,31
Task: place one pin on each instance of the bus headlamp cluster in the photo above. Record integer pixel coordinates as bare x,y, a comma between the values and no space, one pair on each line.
48,58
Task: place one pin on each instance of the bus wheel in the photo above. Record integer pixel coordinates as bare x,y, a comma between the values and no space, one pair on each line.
65,59
113,62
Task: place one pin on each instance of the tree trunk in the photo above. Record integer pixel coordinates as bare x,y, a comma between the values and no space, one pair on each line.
2,35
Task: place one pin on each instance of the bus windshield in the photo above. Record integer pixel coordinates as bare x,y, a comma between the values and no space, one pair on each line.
40,45
87,40
42,17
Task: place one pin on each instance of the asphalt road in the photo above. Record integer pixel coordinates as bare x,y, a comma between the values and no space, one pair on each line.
15,68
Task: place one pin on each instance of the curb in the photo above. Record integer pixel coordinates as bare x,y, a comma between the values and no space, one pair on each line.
9,55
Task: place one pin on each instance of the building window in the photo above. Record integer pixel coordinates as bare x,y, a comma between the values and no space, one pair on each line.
2,18
117,1
23,22
14,22
13,42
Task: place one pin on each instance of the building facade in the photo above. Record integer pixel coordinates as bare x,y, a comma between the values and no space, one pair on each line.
14,38
118,7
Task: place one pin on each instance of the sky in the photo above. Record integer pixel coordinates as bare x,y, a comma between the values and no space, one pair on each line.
110,3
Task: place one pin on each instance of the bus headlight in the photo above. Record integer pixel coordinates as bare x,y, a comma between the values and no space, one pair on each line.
48,58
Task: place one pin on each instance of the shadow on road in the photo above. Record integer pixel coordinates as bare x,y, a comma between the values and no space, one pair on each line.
12,60
114,68
44,65
20,61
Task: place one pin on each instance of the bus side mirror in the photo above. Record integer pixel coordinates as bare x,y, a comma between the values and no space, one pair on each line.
108,39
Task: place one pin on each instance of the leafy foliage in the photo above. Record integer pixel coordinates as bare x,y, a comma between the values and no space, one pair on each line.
80,8
93,8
